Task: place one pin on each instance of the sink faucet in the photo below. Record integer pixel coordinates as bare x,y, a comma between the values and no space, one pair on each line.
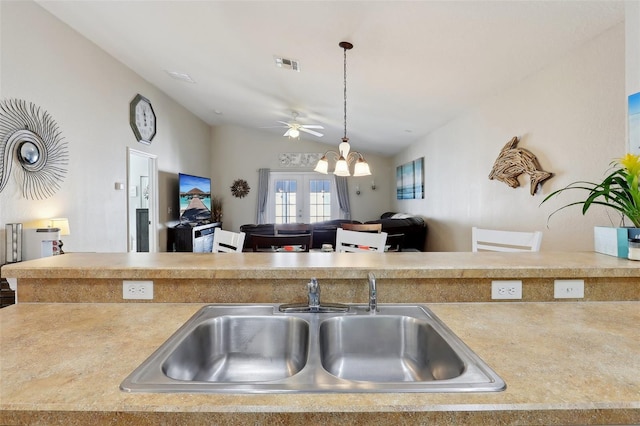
373,293
314,295
313,305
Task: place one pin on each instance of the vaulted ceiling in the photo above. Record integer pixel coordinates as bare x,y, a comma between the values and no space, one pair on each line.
415,65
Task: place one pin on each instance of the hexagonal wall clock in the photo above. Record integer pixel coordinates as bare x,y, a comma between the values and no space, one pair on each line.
142,119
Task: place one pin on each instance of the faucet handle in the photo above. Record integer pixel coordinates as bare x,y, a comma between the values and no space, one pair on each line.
314,295
373,293
313,286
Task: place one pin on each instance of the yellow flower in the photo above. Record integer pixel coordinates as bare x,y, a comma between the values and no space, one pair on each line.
631,163
619,190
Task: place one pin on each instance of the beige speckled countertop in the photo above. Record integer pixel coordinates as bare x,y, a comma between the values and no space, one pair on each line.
281,277
564,363
324,265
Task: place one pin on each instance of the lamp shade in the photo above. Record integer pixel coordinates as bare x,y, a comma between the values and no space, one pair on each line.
361,168
61,223
342,168
322,166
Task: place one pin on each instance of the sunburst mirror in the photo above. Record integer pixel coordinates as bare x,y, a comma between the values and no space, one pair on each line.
30,138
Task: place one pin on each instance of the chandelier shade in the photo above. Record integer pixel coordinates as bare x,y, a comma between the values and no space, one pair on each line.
344,156
361,168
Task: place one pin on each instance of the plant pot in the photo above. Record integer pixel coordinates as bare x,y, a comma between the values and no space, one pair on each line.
613,241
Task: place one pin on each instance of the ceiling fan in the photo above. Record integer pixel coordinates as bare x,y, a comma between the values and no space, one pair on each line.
294,128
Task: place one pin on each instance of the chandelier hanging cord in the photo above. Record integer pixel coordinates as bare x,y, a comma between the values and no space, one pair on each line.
345,46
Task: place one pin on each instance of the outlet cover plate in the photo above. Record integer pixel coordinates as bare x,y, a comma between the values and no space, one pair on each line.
506,289
568,289
140,290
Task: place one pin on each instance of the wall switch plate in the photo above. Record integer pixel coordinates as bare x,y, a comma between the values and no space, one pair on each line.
508,289
137,290
568,289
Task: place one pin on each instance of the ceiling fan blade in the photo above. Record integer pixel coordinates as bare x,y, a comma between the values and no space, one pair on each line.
287,132
312,126
273,127
312,132
283,122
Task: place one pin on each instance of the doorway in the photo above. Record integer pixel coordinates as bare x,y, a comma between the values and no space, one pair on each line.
301,197
142,201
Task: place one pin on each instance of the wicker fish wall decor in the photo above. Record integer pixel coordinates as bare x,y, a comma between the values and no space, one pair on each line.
512,162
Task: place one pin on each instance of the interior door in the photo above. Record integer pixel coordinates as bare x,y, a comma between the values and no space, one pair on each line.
142,201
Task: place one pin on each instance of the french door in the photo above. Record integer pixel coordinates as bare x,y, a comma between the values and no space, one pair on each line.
301,198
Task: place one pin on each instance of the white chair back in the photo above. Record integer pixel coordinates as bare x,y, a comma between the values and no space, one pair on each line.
227,241
506,241
355,241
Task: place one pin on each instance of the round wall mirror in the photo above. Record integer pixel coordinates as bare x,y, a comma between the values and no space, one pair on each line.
28,153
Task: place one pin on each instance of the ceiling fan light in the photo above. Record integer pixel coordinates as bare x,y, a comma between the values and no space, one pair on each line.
342,168
361,168
322,166
294,133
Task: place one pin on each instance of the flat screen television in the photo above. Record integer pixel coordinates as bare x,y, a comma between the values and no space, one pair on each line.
195,199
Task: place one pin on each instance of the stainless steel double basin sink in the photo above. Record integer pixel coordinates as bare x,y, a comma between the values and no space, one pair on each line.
258,349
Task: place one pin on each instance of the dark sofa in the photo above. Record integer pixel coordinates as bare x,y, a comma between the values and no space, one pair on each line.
414,229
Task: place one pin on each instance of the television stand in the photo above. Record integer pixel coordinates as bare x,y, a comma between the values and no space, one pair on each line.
196,239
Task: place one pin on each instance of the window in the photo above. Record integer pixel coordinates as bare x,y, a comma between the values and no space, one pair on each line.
301,198
286,191
319,200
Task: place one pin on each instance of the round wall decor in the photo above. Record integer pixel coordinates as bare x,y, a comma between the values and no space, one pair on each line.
30,138
240,188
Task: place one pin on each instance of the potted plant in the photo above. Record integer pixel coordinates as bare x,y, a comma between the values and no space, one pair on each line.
619,191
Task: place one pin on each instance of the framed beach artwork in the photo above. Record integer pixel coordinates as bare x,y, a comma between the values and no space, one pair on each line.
634,123
410,180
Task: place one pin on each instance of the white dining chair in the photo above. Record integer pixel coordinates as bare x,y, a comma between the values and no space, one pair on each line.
356,241
505,241
227,241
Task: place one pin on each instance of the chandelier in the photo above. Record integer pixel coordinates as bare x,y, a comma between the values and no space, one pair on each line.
344,156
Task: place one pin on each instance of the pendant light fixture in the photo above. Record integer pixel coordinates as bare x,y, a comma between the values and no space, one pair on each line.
344,156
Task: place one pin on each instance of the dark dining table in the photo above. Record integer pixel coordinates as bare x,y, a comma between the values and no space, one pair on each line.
281,242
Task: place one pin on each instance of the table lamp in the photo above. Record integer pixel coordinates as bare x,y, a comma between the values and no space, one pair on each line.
62,223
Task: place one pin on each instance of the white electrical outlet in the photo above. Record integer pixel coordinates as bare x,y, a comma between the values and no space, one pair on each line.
568,289
137,290
511,289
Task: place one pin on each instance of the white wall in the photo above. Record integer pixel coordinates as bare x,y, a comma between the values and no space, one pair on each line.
87,92
632,47
238,153
571,115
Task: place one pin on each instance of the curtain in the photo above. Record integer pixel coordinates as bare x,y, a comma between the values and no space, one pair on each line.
263,192
342,191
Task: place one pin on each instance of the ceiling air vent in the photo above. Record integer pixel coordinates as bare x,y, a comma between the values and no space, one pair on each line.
289,64
180,76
